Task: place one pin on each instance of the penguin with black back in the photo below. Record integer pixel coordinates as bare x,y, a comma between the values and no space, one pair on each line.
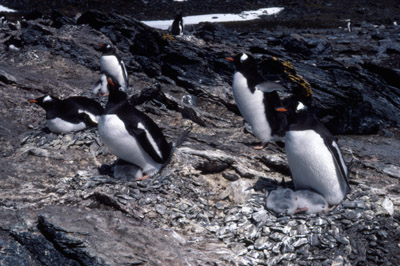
71,114
314,156
257,99
113,67
177,25
131,135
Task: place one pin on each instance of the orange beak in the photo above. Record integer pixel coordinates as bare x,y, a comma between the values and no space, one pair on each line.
230,59
33,101
281,109
110,81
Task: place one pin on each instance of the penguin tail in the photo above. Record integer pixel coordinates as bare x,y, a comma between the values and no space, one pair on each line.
182,137
178,142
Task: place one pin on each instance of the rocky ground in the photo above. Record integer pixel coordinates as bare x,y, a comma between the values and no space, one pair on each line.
61,204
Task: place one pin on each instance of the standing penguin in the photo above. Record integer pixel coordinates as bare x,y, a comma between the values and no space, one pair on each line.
71,114
131,135
257,99
112,66
177,25
314,157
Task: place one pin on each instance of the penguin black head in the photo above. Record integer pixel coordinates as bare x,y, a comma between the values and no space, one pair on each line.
296,112
293,108
45,101
243,62
247,66
117,93
106,48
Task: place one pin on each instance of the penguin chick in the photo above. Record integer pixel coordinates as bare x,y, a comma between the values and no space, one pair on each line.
310,202
112,66
100,87
131,135
314,156
71,114
282,201
257,99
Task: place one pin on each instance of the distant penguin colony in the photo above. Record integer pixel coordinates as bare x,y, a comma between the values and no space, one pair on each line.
131,135
111,66
256,99
318,169
314,156
71,114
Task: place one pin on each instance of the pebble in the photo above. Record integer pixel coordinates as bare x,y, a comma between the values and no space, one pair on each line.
287,246
300,242
276,236
263,243
387,204
161,209
319,221
313,239
260,216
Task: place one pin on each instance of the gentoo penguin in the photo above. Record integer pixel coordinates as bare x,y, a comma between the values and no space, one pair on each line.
177,25
112,66
314,157
257,99
131,135
71,114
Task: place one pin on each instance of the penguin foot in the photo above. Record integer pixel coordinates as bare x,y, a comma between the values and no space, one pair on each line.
301,210
142,178
259,147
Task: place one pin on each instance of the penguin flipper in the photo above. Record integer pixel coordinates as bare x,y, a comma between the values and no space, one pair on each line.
125,73
277,121
87,119
147,145
339,161
270,86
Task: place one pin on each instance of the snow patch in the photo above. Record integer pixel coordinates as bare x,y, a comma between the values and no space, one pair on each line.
6,9
243,16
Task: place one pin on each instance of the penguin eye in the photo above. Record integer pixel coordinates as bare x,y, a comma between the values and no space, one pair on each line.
120,89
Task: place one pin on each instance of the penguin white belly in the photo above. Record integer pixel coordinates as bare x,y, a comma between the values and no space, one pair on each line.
58,125
251,106
110,65
312,165
114,135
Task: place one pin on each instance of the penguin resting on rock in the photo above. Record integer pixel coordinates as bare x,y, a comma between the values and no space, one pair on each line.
177,25
257,99
111,66
314,156
71,114
131,135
